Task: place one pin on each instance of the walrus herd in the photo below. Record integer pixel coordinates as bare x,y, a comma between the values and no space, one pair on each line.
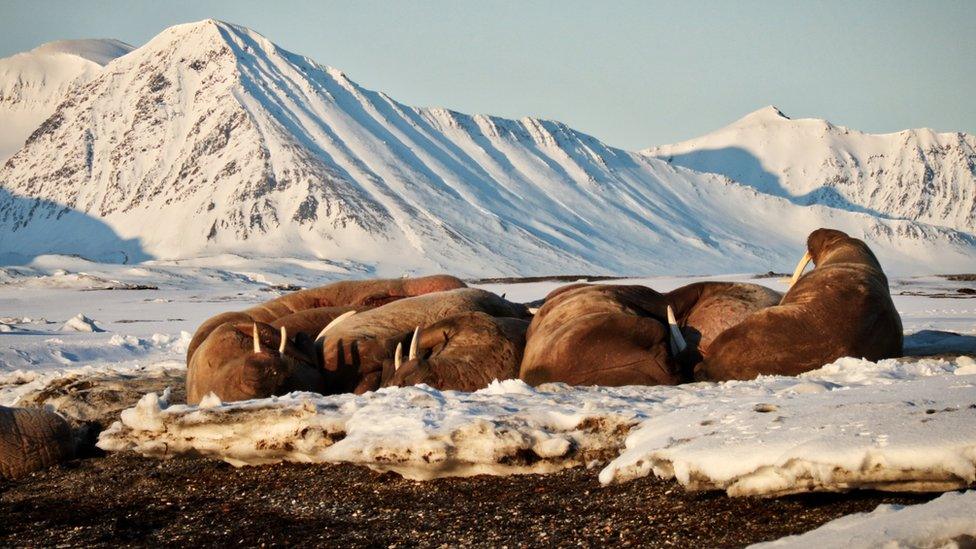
358,336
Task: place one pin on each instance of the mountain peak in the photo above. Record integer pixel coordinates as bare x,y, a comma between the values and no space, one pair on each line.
769,113
99,51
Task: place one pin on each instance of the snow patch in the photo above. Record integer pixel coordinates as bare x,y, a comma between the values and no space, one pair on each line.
80,323
947,521
876,426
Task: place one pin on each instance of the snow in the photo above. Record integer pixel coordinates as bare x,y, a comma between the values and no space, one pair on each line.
209,142
947,521
80,323
33,83
852,424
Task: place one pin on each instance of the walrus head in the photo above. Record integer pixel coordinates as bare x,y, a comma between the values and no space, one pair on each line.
832,246
463,352
244,360
264,370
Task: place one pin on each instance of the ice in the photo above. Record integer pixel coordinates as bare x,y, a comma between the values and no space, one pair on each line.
80,323
947,521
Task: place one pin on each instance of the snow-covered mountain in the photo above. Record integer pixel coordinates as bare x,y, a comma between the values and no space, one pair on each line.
34,82
211,140
913,174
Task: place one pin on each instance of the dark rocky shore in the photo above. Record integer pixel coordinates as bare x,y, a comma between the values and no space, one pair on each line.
124,499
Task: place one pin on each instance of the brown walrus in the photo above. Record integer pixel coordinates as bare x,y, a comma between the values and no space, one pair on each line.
345,293
602,335
245,360
704,310
841,308
463,352
32,439
355,350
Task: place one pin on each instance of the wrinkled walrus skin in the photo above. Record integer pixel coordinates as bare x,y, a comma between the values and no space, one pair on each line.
600,335
706,309
463,352
841,308
346,293
32,439
226,365
356,349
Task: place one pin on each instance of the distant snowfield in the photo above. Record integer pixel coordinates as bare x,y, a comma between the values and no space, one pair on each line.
771,436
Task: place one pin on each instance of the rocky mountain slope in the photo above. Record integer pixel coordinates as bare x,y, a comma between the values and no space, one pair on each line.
211,140
34,82
913,174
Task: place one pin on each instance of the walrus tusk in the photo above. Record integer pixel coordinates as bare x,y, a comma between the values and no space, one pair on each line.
800,266
284,338
254,336
334,322
677,340
397,358
414,343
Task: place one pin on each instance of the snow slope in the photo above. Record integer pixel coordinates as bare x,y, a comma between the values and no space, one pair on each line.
211,140
913,174
34,82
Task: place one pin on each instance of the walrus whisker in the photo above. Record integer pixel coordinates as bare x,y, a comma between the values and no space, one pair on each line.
398,357
800,266
414,343
335,321
254,336
678,343
284,338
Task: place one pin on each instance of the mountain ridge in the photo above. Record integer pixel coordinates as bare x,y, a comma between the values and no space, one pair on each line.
211,140
916,174
32,83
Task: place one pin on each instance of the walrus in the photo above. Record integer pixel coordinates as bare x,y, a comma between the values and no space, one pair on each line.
354,351
345,293
245,360
463,352
32,439
841,308
602,334
704,310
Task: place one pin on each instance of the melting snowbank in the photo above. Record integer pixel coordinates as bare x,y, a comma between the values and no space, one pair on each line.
20,386
947,521
876,413
418,432
913,435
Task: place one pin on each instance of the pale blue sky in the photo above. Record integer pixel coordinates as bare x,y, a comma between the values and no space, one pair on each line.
634,74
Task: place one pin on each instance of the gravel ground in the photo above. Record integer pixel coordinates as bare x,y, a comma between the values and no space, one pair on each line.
127,500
